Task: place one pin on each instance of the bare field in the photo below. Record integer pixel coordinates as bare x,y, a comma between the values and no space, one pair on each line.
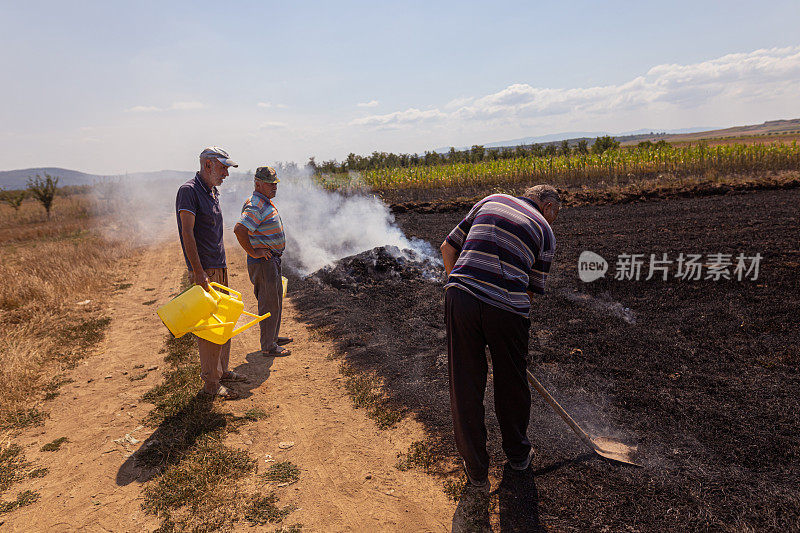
700,373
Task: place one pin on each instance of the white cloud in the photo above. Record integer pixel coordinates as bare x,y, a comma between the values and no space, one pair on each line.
371,103
409,116
734,78
142,109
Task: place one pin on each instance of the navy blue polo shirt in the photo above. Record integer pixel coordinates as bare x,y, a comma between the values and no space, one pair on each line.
195,197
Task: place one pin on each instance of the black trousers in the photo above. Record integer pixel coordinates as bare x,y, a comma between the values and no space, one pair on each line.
471,326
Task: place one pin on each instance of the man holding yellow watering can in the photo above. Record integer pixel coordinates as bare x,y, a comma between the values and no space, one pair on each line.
200,229
260,233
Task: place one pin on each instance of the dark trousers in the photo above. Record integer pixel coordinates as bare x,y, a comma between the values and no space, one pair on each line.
471,326
268,289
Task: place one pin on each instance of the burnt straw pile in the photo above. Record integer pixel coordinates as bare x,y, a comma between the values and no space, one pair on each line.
381,265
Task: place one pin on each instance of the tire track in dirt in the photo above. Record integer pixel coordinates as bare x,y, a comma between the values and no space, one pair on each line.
348,477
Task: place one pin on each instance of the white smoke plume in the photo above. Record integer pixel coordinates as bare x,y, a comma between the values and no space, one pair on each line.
321,226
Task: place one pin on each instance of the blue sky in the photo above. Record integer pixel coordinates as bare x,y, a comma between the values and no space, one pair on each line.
108,87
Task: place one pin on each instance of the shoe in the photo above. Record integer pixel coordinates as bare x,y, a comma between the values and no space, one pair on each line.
223,393
280,341
227,394
278,351
522,465
232,377
483,486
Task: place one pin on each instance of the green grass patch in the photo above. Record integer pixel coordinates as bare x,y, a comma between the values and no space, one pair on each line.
54,445
364,390
23,498
149,289
24,418
454,488
264,509
420,455
282,472
38,472
256,413
192,480
12,466
122,286
149,302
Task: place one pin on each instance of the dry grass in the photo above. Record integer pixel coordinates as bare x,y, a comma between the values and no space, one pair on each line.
47,268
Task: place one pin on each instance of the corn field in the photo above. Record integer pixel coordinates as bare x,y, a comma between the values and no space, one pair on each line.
618,166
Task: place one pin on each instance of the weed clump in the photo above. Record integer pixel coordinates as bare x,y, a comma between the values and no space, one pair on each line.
364,391
54,445
282,472
263,510
420,454
23,498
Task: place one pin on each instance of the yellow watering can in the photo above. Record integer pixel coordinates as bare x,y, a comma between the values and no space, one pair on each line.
209,315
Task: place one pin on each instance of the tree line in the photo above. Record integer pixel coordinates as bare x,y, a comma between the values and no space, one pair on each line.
475,154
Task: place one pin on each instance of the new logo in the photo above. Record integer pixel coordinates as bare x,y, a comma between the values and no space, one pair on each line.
591,266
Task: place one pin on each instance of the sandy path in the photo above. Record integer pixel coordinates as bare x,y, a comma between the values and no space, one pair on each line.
348,481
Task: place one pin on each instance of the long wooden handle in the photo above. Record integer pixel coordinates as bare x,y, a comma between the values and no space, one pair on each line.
560,410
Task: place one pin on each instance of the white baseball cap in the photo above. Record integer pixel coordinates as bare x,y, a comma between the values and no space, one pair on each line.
219,154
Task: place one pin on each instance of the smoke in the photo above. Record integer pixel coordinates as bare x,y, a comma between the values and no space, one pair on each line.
321,226
140,211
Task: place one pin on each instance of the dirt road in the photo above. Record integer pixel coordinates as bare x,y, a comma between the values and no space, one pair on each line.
348,477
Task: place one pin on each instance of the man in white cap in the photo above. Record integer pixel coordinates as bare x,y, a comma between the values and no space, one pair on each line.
200,230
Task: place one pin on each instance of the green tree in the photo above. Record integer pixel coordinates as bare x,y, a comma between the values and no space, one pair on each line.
44,190
606,142
583,147
13,198
565,150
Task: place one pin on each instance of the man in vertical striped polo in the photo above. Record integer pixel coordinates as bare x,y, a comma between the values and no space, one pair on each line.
496,259
260,233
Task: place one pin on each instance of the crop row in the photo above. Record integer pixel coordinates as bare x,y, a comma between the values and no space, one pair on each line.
619,166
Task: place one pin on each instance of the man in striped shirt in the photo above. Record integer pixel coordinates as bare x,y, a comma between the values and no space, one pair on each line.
260,233
496,259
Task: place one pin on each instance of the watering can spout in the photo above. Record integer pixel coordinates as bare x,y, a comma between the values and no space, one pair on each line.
210,315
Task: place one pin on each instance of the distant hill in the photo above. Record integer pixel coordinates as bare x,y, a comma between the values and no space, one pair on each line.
18,179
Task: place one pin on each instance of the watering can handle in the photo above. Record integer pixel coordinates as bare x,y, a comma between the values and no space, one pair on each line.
258,318
210,326
224,288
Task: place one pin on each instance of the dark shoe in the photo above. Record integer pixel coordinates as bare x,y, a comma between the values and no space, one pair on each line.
278,351
232,377
522,465
482,486
280,341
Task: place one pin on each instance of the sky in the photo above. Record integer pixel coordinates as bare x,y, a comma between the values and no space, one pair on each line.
112,87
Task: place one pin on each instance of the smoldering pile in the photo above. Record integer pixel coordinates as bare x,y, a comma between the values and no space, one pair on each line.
381,265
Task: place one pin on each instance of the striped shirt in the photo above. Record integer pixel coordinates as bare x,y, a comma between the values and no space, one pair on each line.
263,223
505,248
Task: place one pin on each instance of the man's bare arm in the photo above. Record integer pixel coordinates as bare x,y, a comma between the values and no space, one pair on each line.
190,246
244,241
449,256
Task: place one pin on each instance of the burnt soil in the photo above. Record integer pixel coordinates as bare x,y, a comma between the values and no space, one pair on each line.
702,375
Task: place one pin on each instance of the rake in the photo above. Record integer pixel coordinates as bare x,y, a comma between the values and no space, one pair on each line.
605,447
